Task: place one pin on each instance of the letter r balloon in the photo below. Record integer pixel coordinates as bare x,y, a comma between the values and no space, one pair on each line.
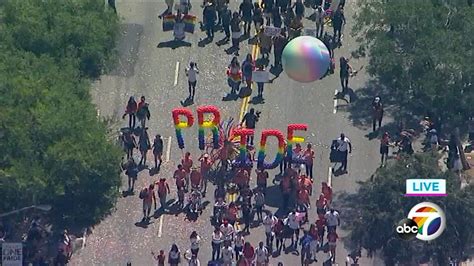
180,124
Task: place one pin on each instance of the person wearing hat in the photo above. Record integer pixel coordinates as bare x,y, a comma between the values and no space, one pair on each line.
377,113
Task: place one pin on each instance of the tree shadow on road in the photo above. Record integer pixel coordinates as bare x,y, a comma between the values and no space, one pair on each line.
273,196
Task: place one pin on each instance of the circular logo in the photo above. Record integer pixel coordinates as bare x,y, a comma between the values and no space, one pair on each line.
407,229
430,220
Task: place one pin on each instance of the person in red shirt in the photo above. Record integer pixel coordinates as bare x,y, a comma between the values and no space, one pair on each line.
163,191
148,197
231,214
320,225
326,191
241,178
332,241
321,205
262,177
131,111
187,163
285,186
180,176
309,157
249,253
303,198
160,258
206,164
195,178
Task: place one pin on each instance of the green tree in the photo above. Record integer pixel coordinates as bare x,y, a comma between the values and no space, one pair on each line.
421,51
373,212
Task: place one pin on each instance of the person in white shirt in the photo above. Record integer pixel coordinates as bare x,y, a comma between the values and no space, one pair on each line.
294,225
191,73
217,239
178,28
227,255
269,222
319,21
195,240
227,231
262,255
239,245
332,220
343,146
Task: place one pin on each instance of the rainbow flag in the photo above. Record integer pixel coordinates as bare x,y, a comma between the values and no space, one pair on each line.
189,23
168,22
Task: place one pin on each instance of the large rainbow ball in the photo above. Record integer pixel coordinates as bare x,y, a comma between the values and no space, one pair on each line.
305,59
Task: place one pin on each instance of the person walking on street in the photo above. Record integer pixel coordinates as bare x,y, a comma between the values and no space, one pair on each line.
326,190
332,220
262,255
267,10
248,66
210,16
319,22
239,245
332,241
299,9
143,112
163,191
245,11
384,147
265,43
345,72
220,4
309,157
206,165
279,43
257,16
250,120
377,113
234,74
305,253
338,20
160,258
187,164
248,253
174,256
131,111
195,241
260,85
227,255
343,147
180,177
269,223
227,231
158,151
144,146
131,170
148,196
191,73
276,16
235,27
259,204
226,16
217,239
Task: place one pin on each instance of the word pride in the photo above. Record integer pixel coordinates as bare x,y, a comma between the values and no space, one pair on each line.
426,188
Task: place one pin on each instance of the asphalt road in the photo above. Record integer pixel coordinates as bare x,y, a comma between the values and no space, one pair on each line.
158,74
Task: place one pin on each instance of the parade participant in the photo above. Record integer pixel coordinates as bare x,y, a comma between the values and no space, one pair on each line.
234,75
195,178
328,41
326,190
303,198
279,43
250,119
239,244
228,231
308,155
187,164
338,20
249,253
184,6
283,5
235,27
294,226
259,204
320,224
377,113
262,177
220,4
174,256
163,191
305,253
180,176
143,145
295,28
143,112
265,43
247,216
148,196
305,182
191,73
248,67
286,188
276,16
131,171
181,193
344,73
321,204
343,147
195,202
257,16
195,241
220,192
269,223
297,156
194,261
332,241
299,9
384,146
332,220
241,178
245,12
131,110
129,143
158,150
227,254
314,245
319,21
262,255
217,239
267,10
226,18
178,28
209,16
160,258
220,208
168,10
260,85
206,165
231,214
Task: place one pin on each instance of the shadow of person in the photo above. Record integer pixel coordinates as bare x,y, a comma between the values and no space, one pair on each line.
173,44
223,41
232,50
204,42
262,61
276,70
245,92
230,97
257,100
153,171
126,193
143,223
273,196
187,102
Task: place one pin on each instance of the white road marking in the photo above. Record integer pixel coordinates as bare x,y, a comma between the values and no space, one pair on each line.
329,176
160,229
176,74
335,102
168,150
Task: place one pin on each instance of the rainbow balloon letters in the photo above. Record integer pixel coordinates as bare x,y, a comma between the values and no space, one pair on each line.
263,142
211,124
293,140
242,160
179,125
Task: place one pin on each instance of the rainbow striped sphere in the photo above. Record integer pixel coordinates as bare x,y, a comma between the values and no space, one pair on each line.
305,59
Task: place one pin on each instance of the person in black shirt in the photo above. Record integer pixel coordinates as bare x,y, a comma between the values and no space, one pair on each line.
209,14
245,10
345,71
267,10
250,119
299,8
226,16
236,32
338,20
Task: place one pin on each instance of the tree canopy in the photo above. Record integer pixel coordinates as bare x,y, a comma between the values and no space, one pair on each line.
54,149
374,211
421,52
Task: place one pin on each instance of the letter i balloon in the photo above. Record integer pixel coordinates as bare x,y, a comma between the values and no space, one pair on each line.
211,124
263,142
180,125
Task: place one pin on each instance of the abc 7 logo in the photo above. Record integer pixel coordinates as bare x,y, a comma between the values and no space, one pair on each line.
407,229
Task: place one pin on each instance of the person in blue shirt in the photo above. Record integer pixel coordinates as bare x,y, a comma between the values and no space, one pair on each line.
305,243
